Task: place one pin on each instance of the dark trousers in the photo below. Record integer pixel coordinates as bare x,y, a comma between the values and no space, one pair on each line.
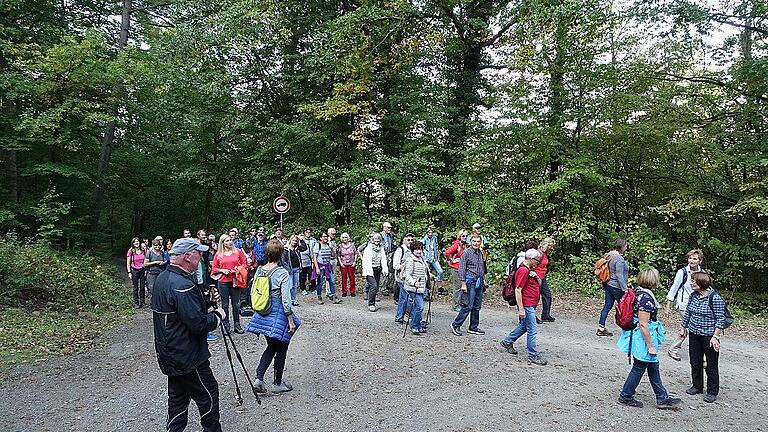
137,279
304,276
546,299
636,374
230,295
199,385
277,350
372,286
612,295
698,349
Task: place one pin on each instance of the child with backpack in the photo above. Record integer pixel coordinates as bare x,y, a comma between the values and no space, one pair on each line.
705,318
641,338
679,293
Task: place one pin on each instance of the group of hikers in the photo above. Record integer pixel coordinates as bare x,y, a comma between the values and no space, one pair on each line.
204,274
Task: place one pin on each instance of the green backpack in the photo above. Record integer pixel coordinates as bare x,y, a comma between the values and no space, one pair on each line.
261,300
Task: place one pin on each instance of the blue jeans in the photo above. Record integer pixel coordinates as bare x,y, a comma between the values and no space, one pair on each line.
294,282
612,295
472,308
529,326
321,282
436,267
636,374
402,301
416,310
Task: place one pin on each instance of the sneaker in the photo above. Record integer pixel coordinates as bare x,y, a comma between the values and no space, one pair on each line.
416,332
603,332
456,331
343,294
538,320
281,388
353,294
674,355
709,398
476,331
372,308
336,300
634,403
320,300
509,347
259,386
423,330
537,360
212,337
295,304
694,391
400,321
548,319
670,403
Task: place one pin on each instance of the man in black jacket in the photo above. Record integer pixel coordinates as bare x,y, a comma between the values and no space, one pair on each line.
182,321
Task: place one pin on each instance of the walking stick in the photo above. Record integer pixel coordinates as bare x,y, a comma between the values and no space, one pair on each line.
245,370
239,396
407,301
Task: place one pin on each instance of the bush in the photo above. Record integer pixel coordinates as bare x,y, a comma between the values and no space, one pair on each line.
37,276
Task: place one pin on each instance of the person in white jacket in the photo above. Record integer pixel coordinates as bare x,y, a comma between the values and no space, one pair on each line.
679,293
415,277
374,265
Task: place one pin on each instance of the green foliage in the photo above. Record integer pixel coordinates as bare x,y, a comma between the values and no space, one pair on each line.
36,275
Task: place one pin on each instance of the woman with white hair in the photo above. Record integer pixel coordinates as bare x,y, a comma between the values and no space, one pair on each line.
374,265
346,254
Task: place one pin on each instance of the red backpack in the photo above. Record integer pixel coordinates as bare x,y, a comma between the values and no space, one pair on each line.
625,310
508,290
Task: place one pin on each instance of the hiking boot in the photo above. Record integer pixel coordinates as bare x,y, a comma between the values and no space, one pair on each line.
282,387
238,329
670,403
400,321
320,300
372,308
538,320
694,391
674,355
353,294
549,319
510,347
603,332
709,398
476,331
634,403
260,386
212,337
456,331
416,332
537,360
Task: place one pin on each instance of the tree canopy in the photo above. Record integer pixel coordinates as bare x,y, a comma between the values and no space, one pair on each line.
585,120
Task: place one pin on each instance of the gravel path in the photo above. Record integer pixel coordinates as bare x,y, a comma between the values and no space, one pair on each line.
352,370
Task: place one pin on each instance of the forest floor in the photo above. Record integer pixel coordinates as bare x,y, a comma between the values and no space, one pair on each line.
352,370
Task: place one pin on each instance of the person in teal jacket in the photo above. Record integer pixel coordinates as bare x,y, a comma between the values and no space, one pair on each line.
644,342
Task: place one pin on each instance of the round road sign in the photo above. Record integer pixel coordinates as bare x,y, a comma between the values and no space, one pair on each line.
281,205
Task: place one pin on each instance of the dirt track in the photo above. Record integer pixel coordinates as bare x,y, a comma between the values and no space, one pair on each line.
352,370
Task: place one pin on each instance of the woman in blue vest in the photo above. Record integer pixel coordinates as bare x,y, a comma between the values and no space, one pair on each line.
280,325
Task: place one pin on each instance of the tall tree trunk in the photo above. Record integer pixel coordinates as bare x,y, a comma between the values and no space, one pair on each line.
109,132
8,108
557,104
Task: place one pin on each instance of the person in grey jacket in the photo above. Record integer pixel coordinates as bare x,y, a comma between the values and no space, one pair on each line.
415,278
616,286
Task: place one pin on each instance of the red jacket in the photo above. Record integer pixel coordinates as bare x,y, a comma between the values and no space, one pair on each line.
528,285
454,253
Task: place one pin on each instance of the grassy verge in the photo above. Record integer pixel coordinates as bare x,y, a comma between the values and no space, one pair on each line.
33,335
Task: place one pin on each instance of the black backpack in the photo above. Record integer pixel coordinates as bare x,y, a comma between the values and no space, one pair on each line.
728,316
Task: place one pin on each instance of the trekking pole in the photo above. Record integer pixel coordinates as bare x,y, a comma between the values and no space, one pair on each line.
429,308
247,375
239,396
407,301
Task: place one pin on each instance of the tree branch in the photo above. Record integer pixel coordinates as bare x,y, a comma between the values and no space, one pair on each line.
498,34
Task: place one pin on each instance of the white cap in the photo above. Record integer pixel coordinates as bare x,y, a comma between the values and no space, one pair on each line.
476,225
386,225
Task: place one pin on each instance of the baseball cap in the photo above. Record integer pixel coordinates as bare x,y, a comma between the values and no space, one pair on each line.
386,225
234,229
184,245
477,225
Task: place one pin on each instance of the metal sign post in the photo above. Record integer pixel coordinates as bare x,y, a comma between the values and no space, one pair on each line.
281,205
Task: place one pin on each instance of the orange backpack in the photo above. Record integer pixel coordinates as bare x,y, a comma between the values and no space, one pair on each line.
602,272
